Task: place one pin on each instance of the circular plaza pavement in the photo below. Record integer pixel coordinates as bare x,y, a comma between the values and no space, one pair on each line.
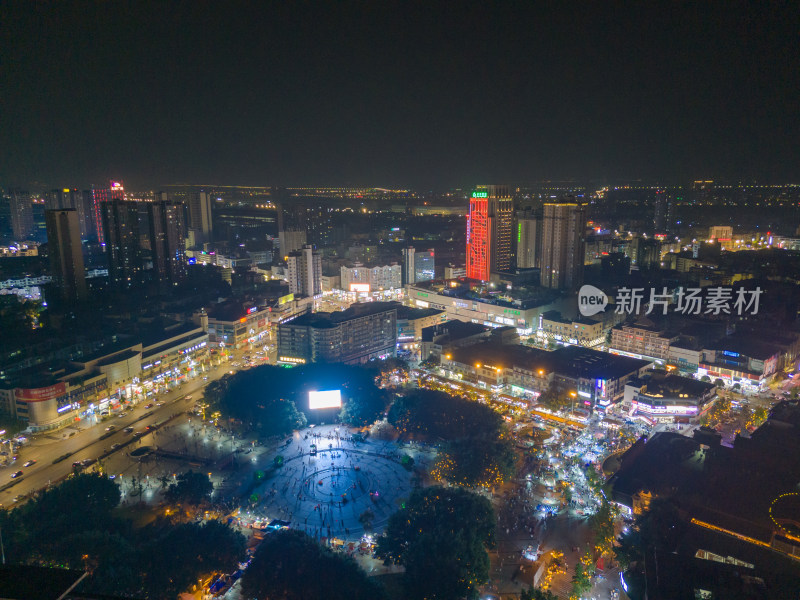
325,494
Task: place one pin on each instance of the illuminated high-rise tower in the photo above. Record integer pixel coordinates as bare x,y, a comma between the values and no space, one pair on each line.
115,191
489,224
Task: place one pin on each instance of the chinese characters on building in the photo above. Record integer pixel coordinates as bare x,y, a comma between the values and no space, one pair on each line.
689,301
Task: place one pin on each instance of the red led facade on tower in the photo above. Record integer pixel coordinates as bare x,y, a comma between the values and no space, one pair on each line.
115,191
478,237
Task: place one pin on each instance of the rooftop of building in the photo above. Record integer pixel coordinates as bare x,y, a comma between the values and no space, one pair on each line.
732,488
412,313
569,361
119,357
746,345
229,311
470,289
660,384
576,361
555,316
454,330
331,319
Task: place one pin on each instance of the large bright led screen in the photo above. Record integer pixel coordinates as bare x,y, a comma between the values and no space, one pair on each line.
326,399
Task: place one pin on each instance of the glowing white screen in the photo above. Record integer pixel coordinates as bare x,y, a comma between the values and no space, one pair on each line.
326,399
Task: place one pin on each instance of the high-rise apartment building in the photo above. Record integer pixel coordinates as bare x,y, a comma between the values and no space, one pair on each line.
66,258
304,268
200,220
115,191
489,224
529,240
311,217
425,265
291,240
81,201
120,223
167,242
563,228
409,265
21,215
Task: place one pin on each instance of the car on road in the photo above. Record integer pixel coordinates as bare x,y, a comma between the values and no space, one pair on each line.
205,378
128,430
122,414
111,428
104,413
17,474
140,433
30,463
189,397
149,406
159,404
16,498
88,461
116,446
150,428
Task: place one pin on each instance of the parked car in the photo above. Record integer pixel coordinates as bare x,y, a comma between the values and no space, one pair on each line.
128,430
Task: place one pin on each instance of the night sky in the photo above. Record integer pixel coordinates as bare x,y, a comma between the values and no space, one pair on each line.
389,94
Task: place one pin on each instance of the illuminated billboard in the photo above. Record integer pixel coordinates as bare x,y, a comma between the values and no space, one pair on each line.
359,287
326,399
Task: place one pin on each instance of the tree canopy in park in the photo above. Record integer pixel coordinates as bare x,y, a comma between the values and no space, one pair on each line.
439,415
190,488
76,525
441,537
275,399
293,566
478,449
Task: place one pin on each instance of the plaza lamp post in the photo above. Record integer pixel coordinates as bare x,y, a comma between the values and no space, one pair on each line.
573,395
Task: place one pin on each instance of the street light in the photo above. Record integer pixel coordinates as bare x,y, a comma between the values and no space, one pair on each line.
574,395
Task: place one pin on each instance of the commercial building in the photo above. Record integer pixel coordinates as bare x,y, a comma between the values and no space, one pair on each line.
596,380
120,226
51,395
489,224
563,229
462,304
440,340
663,398
411,322
167,242
582,331
234,324
642,340
744,360
362,278
66,257
304,268
356,335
